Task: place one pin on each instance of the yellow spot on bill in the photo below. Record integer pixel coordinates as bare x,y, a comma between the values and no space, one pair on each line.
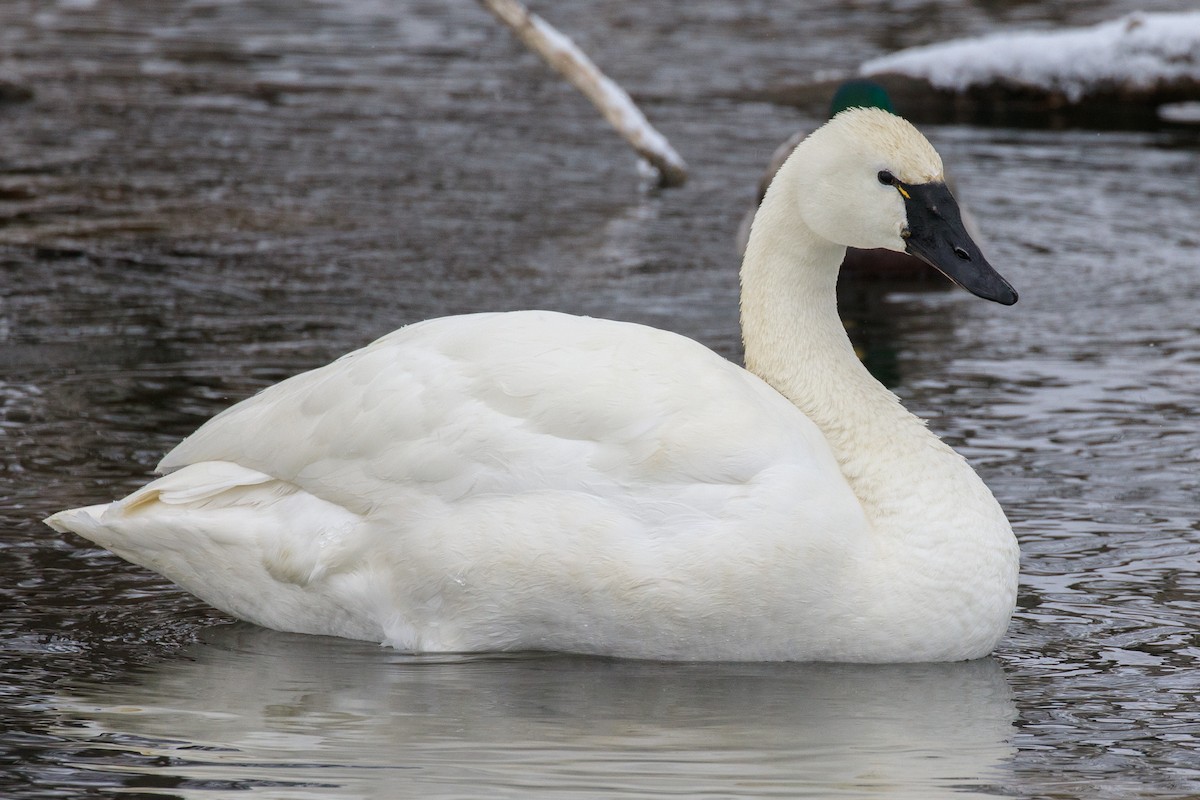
907,196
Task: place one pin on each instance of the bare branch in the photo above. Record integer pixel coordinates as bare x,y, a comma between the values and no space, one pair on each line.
613,102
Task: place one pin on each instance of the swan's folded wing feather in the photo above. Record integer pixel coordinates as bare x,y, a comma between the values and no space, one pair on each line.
532,401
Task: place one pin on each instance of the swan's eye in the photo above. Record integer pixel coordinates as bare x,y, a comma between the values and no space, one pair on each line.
886,178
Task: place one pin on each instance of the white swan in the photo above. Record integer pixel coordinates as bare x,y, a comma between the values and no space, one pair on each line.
534,480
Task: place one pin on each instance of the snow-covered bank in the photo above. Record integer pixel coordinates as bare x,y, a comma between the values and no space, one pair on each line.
1139,71
1138,52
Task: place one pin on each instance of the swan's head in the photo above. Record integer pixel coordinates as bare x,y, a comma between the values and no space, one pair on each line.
869,179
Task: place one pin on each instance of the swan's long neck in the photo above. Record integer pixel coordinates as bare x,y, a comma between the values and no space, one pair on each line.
940,566
796,342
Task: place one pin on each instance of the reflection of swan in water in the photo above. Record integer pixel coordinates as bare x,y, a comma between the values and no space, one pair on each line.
275,710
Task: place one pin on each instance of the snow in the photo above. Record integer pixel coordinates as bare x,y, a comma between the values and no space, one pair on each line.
1136,51
1180,112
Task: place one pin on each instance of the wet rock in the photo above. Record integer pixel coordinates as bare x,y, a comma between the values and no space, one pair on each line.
1006,103
13,92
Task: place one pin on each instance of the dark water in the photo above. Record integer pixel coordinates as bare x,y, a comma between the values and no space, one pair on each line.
208,196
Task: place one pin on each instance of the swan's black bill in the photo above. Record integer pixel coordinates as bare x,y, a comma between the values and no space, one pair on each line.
937,236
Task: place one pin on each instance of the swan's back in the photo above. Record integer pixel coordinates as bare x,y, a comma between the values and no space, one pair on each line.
512,402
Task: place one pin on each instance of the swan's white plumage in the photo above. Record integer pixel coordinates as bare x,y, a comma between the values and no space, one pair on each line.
535,480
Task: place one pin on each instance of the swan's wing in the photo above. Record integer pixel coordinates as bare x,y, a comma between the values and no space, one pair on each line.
504,404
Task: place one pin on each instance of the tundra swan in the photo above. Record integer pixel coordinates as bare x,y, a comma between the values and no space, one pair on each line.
538,481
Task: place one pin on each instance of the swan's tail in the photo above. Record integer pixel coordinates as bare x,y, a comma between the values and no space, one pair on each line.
83,521
108,524
254,546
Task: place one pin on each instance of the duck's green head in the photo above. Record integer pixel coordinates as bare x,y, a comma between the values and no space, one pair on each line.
860,94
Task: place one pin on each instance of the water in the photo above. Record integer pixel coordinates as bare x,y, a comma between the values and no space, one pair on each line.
348,720
205,199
